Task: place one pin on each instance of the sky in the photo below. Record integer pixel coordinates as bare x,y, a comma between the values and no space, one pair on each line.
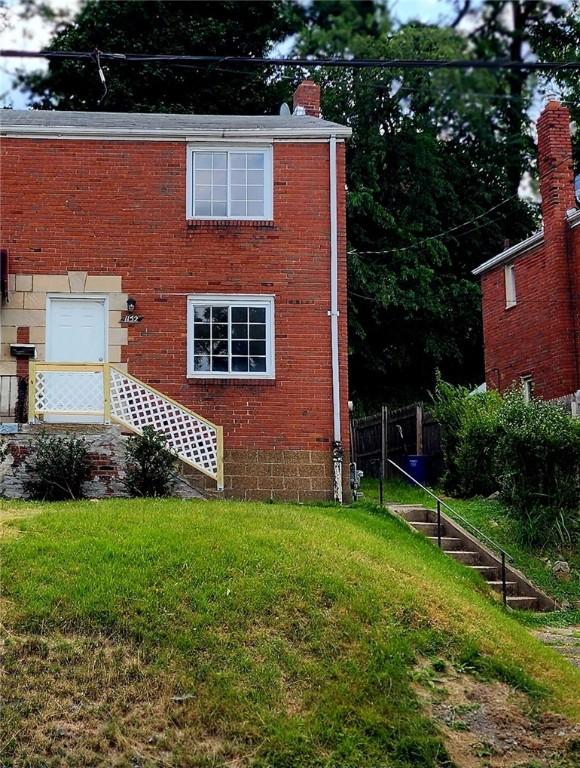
34,33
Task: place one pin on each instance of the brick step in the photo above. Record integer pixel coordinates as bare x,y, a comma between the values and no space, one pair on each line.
522,602
511,586
447,542
465,556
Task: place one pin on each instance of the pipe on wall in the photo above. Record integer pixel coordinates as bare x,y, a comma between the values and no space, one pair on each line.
337,451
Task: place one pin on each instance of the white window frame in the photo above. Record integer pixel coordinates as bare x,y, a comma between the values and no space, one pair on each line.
232,300
510,286
527,383
229,148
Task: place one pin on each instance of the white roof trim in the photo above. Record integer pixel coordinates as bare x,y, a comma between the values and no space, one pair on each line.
510,253
139,134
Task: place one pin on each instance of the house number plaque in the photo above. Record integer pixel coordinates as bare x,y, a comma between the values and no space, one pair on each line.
131,319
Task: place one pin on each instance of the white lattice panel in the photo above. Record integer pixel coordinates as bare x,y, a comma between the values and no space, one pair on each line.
189,437
77,393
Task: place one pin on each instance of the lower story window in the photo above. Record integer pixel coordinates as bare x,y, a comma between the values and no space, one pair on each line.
231,336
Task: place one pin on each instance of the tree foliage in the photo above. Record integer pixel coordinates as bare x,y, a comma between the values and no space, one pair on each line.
155,26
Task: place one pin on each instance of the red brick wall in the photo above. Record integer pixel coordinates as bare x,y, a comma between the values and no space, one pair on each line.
117,207
540,335
534,337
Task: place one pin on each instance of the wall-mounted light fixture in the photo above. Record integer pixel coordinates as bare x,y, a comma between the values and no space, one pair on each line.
131,304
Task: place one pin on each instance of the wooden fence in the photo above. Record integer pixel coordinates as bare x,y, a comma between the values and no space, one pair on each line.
393,433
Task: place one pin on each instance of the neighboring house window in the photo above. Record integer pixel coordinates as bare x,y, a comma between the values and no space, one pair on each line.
527,388
231,336
510,286
229,183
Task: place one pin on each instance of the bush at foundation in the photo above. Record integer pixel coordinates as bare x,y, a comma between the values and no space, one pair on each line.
57,468
150,465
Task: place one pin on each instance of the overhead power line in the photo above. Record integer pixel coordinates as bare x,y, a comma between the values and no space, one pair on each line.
353,63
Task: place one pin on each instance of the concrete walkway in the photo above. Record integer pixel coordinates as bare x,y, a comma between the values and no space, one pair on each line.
564,640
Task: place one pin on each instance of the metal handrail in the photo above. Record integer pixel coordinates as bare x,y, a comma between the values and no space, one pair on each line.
480,534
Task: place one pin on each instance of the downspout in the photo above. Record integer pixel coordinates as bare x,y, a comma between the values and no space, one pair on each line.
337,450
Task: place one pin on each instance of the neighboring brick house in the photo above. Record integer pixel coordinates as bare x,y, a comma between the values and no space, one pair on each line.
206,256
531,291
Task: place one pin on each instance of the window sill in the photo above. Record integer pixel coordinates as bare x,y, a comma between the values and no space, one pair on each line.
232,381
230,223
511,306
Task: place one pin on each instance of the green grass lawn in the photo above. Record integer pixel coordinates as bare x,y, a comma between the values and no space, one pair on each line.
491,518
174,633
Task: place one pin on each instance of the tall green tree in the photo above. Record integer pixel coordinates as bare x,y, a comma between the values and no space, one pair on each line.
153,26
429,152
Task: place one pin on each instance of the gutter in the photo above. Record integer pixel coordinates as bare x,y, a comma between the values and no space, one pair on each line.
337,451
510,253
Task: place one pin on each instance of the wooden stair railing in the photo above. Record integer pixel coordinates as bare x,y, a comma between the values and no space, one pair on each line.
104,393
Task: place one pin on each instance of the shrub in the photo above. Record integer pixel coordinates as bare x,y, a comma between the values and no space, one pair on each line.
478,434
538,468
150,465
450,404
58,468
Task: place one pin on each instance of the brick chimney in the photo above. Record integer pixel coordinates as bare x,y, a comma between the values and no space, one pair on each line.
307,96
556,167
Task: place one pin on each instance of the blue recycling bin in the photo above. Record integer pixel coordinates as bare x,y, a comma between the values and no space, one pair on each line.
417,467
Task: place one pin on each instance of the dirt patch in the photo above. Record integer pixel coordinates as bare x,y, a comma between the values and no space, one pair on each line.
77,702
9,514
490,725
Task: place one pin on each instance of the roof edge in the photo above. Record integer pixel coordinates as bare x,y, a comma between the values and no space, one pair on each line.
65,132
510,253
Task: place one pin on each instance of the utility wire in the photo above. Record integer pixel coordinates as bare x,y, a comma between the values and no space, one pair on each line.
352,63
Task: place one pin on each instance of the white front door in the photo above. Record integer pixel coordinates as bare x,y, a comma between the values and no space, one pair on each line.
76,332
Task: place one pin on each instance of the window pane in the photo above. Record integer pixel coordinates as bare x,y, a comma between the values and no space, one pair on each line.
202,208
239,331
220,347
219,194
239,347
201,314
238,208
257,331
256,177
201,363
257,314
220,177
202,192
202,159
255,159
238,177
219,160
255,209
219,331
219,364
219,209
238,192
203,177
255,193
201,348
219,314
257,347
258,364
240,364
239,314
201,330
238,159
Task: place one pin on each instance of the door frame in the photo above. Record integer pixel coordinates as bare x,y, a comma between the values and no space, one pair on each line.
100,297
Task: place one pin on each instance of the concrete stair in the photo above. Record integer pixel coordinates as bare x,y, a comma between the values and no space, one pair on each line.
458,543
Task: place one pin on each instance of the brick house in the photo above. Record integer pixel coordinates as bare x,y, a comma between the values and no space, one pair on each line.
531,291
187,272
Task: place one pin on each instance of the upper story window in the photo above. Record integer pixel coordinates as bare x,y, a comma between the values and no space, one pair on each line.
229,183
230,336
510,286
